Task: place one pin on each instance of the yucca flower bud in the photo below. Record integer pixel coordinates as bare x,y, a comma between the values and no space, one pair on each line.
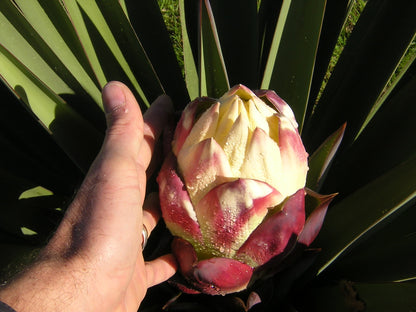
232,190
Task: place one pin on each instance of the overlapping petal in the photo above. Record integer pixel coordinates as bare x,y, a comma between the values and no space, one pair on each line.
294,158
270,97
203,166
231,211
272,237
177,208
263,160
234,194
315,220
214,276
188,118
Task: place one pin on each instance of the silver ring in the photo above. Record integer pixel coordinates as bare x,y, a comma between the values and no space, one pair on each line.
145,236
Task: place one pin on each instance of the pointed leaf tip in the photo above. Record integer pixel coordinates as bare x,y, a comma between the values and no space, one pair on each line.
315,220
320,160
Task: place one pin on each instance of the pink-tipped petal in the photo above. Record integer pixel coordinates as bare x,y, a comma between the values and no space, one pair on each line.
242,91
203,128
176,206
185,254
269,96
215,276
231,211
187,120
294,158
221,276
315,220
253,299
184,126
203,166
273,235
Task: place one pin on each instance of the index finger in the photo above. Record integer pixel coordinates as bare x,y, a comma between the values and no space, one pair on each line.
155,118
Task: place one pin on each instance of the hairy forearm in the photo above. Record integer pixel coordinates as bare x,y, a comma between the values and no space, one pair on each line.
48,285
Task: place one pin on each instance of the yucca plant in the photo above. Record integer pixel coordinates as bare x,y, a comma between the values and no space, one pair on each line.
56,55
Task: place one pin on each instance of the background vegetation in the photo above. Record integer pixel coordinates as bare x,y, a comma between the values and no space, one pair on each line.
357,124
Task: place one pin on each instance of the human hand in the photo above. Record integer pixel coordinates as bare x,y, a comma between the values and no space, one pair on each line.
94,261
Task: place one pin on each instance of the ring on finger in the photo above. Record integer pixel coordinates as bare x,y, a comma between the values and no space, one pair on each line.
145,236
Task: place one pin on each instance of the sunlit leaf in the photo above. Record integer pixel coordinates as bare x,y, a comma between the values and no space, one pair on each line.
365,65
19,37
73,133
291,59
212,71
147,21
187,8
62,39
143,76
92,13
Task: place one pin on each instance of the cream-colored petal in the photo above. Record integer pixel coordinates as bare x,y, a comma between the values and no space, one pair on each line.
294,158
274,122
204,128
203,166
257,120
236,143
263,108
263,160
227,116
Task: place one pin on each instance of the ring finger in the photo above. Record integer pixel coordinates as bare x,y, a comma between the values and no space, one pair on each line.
151,214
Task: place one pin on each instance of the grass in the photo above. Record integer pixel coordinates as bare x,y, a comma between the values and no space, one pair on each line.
356,9
170,12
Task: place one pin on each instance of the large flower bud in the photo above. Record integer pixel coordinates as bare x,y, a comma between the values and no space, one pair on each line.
232,190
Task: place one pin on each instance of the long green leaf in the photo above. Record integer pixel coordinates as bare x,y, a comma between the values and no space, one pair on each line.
352,218
80,26
387,256
268,15
29,153
292,57
21,39
212,70
321,159
106,41
147,21
135,55
366,64
239,40
190,55
335,19
72,132
384,143
62,38
405,62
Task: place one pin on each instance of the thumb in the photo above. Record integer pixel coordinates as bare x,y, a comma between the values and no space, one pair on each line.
124,120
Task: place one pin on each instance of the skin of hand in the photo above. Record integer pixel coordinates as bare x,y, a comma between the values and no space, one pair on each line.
94,261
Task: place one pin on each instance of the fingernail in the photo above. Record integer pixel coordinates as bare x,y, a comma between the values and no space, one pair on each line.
113,96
